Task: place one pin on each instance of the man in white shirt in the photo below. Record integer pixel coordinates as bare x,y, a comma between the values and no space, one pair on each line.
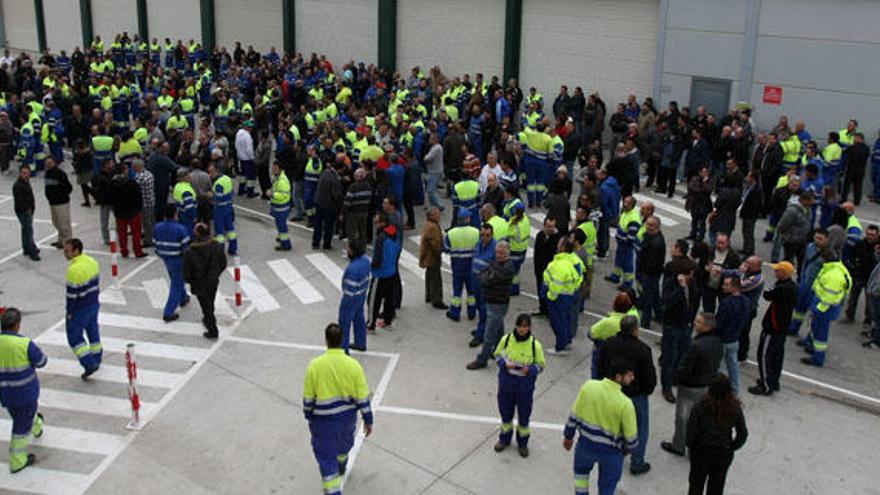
491,167
244,148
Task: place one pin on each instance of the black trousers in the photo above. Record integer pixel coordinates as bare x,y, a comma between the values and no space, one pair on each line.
206,296
433,285
263,177
853,180
666,180
794,252
325,222
381,297
771,352
708,471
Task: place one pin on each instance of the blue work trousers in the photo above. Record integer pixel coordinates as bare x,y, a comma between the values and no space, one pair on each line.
515,394
224,228
331,441
463,281
84,338
560,311
280,215
177,295
351,318
610,460
820,333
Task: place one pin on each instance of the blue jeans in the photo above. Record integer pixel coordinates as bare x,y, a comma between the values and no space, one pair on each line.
433,182
27,233
494,330
729,354
638,454
674,342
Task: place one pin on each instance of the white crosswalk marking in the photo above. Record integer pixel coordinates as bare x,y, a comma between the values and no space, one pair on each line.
149,324
38,480
89,403
113,374
411,263
256,291
157,292
301,288
167,351
58,437
111,295
327,267
222,306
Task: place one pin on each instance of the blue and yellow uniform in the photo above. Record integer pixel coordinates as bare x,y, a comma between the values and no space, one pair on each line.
466,196
562,279
484,255
605,418
171,238
537,149
19,393
335,389
83,288
280,209
518,234
185,202
102,150
314,167
224,216
628,228
830,287
355,284
520,360
461,242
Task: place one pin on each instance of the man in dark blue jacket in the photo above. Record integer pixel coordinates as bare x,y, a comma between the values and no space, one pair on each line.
609,197
733,318
383,290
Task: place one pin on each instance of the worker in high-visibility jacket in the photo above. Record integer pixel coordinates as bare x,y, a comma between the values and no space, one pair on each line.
791,149
829,289
313,170
171,238
831,155
20,387
511,201
809,270
224,215
561,281
520,359
519,230
27,141
484,255
586,221
83,287
854,233
185,200
537,148
627,238
606,421
280,206
499,225
334,391
461,243
466,196
355,284
102,149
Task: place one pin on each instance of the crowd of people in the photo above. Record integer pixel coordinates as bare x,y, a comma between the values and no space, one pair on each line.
157,142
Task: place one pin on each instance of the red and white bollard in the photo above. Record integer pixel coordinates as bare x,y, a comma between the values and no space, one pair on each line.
131,368
236,272
114,259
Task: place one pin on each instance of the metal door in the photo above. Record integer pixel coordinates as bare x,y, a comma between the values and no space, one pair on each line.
714,94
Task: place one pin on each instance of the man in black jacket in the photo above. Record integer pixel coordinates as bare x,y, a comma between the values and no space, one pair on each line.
862,264
649,268
626,345
545,249
495,282
328,196
681,301
58,191
694,373
855,162
753,205
124,195
24,205
203,263
774,327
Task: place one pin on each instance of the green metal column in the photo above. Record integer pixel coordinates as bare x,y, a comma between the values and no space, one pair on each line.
388,34
512,38
143,21
85,20
207,17
288,11
41,25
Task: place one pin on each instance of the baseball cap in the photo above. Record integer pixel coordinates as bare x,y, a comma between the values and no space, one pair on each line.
784,266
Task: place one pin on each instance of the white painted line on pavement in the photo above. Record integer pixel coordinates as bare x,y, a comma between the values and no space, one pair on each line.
256,291
328,268
38,480
113,374
88,403
304,347
491,420
153,349
58,437
301,288
15,219
150,324
18,252
157,292
270,217
112,295
411,263
222,307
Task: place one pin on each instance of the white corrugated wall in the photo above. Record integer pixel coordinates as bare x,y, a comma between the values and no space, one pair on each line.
607,46
341,29
175,19
63,25
253,22
20,23
112,17
462,36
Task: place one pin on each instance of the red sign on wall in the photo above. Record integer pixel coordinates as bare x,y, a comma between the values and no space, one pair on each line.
773,95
